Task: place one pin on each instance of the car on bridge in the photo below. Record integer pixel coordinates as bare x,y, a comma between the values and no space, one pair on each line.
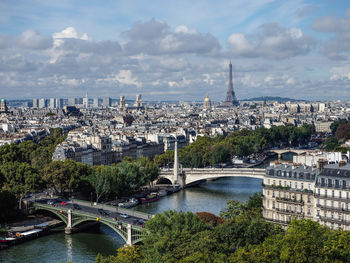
76,206
103,212
124,215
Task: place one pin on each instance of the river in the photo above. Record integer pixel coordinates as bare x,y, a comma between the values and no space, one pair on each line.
83,247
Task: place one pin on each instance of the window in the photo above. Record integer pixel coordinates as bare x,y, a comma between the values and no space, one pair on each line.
273,193
309,187
318,201
302,186
318,212
332,193
339,194
280,182
325,193
296,185
309,198
295,208
273,182
347,195
319,191
285,183
273,204
279,194
308,210
290,184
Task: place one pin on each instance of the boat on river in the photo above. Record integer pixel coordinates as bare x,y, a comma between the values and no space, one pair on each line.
130,203
152,197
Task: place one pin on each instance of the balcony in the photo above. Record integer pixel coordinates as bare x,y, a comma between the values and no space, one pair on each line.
280,222
334,209
345,200
335,221
289,201
288,212
287,189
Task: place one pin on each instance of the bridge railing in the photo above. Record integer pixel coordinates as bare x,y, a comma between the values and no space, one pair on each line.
93,216
117,209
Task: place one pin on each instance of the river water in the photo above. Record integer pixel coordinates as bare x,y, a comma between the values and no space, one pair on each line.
84,246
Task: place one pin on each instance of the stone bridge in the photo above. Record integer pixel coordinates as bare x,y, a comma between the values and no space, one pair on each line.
189,176
128,231
288,150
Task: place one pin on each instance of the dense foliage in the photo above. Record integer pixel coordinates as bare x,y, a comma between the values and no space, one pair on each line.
27,167
210,151
243,236
340,133
122,178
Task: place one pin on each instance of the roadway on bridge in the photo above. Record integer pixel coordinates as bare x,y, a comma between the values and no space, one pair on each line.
106,212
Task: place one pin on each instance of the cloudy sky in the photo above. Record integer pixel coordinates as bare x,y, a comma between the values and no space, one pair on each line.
175,50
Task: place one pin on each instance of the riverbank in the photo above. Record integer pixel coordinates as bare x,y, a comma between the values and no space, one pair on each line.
26,229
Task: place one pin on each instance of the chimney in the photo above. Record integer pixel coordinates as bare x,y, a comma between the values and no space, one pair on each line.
342,163
321,164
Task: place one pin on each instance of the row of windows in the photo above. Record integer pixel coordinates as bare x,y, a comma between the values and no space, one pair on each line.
334,194
290,174
288,196
333,182
289,208
332,204
290,184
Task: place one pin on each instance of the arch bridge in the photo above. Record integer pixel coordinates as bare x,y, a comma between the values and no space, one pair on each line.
130,233
189,176
288,150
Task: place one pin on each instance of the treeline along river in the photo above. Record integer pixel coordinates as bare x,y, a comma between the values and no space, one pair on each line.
83,247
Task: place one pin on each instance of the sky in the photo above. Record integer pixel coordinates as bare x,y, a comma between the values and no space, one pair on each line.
175,49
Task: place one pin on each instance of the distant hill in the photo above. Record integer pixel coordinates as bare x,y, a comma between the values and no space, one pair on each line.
268,98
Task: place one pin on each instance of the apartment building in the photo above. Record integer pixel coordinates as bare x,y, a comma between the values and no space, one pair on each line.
332,194
288,193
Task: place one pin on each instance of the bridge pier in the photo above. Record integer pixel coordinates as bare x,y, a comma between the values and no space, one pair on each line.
68,230
129,240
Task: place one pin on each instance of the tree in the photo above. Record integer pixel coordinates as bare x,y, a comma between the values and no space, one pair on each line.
221,154
167,236
20,179
101,179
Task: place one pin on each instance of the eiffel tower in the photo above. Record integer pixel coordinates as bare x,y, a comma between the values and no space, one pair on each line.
231,99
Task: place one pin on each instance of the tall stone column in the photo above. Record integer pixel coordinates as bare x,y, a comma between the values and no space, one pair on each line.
176,165
68,229
129,240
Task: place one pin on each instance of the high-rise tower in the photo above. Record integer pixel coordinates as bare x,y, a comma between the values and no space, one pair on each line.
231,99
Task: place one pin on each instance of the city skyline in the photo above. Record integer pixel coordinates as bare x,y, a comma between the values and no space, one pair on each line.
166,51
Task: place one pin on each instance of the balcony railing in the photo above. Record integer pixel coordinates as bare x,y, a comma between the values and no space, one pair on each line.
346,200
289,200
332,208
287,188
286,211
334,220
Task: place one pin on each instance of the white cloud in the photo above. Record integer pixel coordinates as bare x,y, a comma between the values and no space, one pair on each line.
31,39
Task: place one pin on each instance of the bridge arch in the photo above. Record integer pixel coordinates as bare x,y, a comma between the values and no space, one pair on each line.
164,180
62,215
114,227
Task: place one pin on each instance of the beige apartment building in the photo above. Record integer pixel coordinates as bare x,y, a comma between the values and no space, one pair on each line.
298,191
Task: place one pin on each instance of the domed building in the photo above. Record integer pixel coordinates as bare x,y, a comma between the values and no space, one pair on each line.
207,103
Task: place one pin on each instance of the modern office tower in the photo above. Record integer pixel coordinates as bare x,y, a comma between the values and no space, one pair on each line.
71,102
52,103
95,103
122,103
59,103
231,99
35,103
138,102
332,194
42,103
107,102
3,106
288,193
86,101
207,103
